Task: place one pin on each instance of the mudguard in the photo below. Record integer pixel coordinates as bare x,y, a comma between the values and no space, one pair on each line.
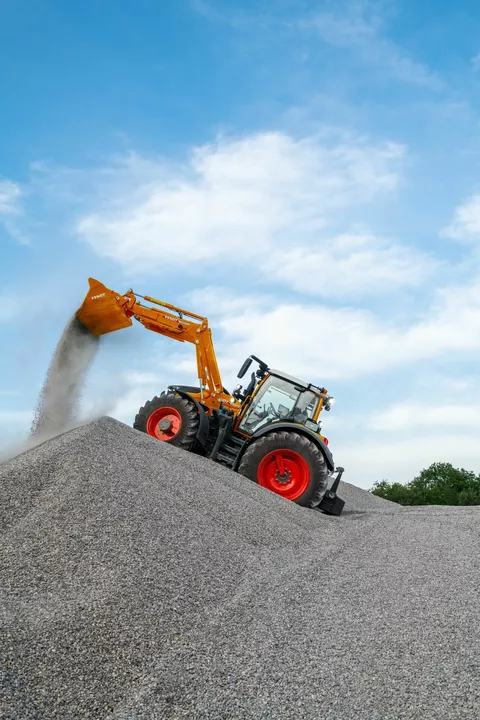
302,430
203,425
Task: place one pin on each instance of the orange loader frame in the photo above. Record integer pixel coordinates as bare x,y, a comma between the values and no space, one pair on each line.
104,311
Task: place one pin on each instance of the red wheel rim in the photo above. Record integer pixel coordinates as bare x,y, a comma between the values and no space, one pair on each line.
172,427
285,472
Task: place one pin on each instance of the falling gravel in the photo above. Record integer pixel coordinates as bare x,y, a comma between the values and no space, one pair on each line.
139,582
57,405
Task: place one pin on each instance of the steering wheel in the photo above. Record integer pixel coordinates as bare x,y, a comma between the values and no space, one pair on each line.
273,410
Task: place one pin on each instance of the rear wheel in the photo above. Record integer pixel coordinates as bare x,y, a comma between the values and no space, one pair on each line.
288,464
169,418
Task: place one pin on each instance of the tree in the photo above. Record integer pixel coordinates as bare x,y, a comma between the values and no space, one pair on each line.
439,484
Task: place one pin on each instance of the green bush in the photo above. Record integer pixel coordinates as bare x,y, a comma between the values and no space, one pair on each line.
439,484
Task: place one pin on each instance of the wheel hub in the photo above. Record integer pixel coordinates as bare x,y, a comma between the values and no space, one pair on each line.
164,423
283,478
285,472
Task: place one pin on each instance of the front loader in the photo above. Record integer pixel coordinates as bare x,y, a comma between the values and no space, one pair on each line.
268,431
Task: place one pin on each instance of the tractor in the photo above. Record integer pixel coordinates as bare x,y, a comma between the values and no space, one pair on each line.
269,431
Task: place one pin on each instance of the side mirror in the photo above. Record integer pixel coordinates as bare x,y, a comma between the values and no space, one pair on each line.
263,366
244,367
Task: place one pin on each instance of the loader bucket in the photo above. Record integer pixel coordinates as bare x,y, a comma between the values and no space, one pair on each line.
101,311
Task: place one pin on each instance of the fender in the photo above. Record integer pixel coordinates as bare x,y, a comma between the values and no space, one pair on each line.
203,425
296,428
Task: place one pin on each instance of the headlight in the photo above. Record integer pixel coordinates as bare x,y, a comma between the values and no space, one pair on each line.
329,402
311,425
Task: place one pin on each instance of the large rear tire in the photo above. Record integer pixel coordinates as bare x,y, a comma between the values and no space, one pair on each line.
288,464
169,418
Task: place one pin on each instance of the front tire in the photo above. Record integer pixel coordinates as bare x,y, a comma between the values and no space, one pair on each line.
288,464
169,418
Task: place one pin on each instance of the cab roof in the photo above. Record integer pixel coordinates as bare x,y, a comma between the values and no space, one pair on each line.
294,380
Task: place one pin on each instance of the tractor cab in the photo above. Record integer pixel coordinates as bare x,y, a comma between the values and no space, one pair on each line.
273,396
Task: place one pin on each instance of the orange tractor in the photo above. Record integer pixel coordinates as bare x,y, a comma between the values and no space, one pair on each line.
269,432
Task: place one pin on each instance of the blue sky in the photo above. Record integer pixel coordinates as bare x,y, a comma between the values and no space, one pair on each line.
304,173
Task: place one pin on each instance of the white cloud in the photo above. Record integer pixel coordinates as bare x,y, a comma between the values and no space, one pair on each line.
238,198
213,301
465,225
341,342
10,195
134,388
350,265
11,209
354,27
401,459
357,26
410,415
127,405
206,10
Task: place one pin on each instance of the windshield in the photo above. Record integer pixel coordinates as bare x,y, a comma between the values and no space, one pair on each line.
278,399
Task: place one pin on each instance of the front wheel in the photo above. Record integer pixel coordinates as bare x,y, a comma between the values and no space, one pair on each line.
288,464
169,418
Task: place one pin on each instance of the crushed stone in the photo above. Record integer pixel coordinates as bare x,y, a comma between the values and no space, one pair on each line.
359,500
138,582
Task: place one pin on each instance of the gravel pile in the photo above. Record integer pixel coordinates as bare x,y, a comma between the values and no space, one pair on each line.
141,582
359,500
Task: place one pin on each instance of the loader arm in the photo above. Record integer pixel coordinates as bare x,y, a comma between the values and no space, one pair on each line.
104,311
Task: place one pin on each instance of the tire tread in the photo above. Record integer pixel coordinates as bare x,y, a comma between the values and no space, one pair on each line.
190,421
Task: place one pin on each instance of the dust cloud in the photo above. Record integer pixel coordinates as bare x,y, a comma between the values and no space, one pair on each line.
59,398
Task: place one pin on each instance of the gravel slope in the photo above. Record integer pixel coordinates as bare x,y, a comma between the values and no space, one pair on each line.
138,581
359,500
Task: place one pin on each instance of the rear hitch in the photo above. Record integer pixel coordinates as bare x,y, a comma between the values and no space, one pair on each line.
331,504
